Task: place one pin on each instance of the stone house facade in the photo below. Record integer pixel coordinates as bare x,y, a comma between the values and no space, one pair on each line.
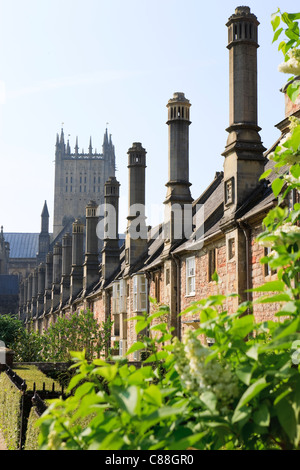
175,261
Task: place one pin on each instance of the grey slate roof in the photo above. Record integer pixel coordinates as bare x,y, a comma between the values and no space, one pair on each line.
22,245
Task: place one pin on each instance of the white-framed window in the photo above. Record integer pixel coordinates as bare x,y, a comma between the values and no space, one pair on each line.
139,293
116,298
123,296
119,297
190,275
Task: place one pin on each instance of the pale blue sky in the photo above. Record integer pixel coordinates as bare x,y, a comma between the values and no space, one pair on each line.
88,62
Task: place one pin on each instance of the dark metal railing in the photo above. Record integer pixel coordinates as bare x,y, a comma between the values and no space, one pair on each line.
30,398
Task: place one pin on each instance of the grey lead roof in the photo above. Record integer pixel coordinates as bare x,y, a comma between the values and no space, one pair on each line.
22,245
9,284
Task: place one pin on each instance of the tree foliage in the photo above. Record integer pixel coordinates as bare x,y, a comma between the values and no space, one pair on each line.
10,329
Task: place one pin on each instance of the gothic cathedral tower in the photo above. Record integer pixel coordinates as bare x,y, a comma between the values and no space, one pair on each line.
79,178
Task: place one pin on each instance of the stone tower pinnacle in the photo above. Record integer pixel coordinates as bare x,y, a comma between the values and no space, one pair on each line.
44,236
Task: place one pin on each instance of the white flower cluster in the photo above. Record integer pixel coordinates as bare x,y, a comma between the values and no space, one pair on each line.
289,159
292,65
199,376
290,179
182,366
286,229
280,149
295,122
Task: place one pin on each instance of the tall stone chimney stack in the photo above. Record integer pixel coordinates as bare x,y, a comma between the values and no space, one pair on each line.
77,259
41,288
48,282
178,185
29,296
91,261
57,265
111,251
66,268
136,233
34,292
244,161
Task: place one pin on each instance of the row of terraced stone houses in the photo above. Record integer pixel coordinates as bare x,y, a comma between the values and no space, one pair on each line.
173,262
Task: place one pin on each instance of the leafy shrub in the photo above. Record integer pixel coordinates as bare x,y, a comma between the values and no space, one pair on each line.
10,329
76,331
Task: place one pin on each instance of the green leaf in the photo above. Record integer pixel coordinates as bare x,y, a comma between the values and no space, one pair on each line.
135,347
294,16
253,352
84,389
266,174
295,139
292,34
210,400
156,357
244,373
292,327
215,277
277,34
252,391
275,21
75,380
241,414
153,395
207,314
262,416
161,327
282,343
287,418
108,373
293,90
272,286
289,308
277,185
242,326
295,171
136,378
158,415
187,442
286,18
141,325
281,46
128,399
273,298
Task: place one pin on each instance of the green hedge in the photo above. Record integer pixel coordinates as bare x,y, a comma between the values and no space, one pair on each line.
10,401
32,375
10,406
32,434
